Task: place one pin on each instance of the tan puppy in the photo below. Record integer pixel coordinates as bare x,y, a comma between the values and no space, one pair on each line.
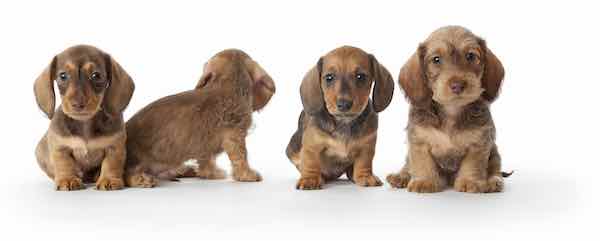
86,139
337,129
450,82
199,124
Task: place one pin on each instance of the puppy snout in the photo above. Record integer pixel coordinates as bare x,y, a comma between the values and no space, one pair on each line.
344,105
457,87
77,105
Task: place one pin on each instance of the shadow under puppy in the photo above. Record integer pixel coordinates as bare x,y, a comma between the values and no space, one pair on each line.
86,139
450,83
199,124
337,130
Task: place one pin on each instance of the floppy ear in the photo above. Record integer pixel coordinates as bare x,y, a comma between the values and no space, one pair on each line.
120,87
43,89
384,85
493,73
263,86
413,81
310,90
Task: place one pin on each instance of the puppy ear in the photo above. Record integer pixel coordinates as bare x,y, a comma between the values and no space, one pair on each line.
43,89
413,81
310,90
493,73
384,85
263,86
120,87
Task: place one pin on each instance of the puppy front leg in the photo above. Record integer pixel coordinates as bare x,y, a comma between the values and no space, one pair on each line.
401,178
425,177
65,175
472,175
310,168
111,172
363,168
235,147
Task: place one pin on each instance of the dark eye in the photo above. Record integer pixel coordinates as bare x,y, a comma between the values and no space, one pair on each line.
470,56
329,78
95,76
436,60
63,76
360,76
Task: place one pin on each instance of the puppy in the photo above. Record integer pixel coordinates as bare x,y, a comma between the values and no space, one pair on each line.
199,124
450,83
337,129
86,139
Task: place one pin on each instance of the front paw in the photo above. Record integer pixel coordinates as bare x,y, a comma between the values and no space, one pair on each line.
309,183
424,185
247,175
398,180
367,181
109,184
69,184
495,184
142,180
470,185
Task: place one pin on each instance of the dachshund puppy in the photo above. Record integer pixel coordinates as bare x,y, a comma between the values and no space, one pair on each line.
337,129
450,83
199,124
86,139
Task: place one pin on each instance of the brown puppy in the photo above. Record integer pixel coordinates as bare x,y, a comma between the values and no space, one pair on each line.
86,139
337,129
450,82
199,124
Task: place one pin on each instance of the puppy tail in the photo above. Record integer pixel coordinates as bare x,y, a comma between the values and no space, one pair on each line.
507,174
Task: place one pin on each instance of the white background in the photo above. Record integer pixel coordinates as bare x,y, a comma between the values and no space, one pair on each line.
546,117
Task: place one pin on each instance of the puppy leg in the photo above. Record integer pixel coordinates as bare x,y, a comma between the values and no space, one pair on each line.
65,173
425,177
140,179
472,175
495,181
363,168
310,169
204,170
400,179
235,147
111,173
43,158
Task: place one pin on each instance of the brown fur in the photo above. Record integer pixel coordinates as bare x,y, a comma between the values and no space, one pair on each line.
199,124
451,134
86,139
330,142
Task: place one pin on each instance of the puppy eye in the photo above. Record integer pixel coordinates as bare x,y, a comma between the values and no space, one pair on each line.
95,76
436,60
470,56
360,76
329,78
63,76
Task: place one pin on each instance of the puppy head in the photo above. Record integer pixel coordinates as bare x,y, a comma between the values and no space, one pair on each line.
452,67
88,80
237,63
341,83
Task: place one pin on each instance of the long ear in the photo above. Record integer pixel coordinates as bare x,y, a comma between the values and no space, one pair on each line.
43,89
263,86
384,85
120,88
493,73
310,90
413,81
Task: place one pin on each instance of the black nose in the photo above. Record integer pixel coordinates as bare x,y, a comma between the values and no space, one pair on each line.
344,105
457,87
78,106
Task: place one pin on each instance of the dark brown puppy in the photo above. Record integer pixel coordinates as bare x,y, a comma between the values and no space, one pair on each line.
199,124
450,82
337,129
86,139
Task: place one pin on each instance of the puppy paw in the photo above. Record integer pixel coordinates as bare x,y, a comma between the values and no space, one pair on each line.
213,174
109,184
470,186
495,184
247,175
399,180
423,185
309,183
69,184
368,181
142,180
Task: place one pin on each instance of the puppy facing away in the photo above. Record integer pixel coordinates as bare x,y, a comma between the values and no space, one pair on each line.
337,128
85,142
450,83
199,124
